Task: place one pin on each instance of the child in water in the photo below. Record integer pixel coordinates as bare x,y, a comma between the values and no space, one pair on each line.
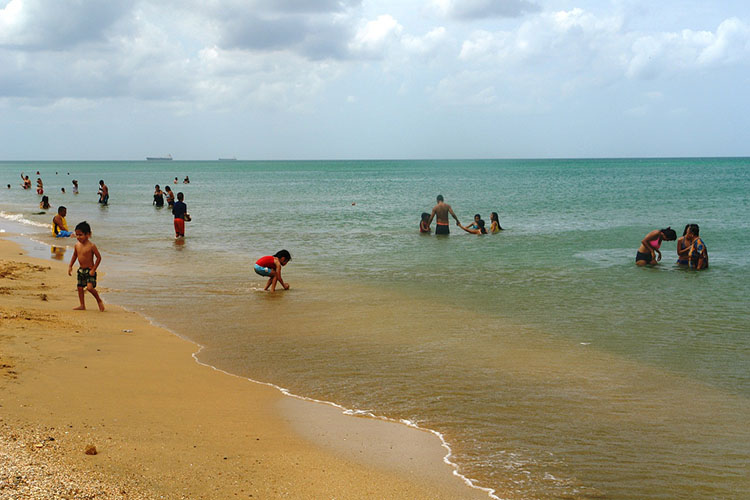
270,266
480,230
424,224
475,224
179,210
698,254
75,186
89,259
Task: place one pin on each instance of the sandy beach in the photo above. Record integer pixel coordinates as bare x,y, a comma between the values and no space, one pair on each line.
163,425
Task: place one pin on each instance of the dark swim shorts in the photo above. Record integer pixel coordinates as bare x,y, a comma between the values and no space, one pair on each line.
643,256
442,229
85,278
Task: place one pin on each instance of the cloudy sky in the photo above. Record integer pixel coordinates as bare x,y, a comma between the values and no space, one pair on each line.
337,79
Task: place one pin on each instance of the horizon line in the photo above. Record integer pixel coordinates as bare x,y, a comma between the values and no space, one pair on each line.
385,159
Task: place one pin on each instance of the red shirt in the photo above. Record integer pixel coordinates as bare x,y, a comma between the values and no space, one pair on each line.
266,261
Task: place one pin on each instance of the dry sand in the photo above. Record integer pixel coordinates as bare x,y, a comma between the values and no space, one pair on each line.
165,426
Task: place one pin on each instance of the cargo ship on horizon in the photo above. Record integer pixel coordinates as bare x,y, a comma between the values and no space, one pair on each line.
159,158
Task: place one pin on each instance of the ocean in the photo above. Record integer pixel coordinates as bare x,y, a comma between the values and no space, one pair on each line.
552,366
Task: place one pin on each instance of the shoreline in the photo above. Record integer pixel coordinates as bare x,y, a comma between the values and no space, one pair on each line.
37,367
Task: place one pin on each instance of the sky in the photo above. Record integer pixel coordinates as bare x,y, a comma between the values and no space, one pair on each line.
361,79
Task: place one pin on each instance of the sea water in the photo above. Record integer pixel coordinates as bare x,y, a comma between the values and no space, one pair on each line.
551,364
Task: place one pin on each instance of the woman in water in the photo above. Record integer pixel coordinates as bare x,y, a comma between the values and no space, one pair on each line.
683,247
170,196
650,246
478,231
494,223
44,204
158,197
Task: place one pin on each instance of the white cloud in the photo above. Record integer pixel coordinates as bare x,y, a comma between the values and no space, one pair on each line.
425,44
482,9
574,49
236,54
656,54
373,37
229,78
730,43
49,25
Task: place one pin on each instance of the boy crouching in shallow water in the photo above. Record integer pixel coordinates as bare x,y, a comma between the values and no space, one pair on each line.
270,267
89,259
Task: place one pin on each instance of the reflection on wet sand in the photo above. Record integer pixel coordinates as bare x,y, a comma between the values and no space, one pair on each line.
58,253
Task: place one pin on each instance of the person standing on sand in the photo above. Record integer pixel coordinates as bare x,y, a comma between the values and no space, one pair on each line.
441,211
103,193
89,259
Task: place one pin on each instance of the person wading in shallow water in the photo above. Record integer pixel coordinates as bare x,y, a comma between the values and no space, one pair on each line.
441,211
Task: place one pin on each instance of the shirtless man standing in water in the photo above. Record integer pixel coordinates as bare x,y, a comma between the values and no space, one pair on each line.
441,210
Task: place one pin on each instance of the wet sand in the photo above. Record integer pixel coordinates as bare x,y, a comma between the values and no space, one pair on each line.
166,426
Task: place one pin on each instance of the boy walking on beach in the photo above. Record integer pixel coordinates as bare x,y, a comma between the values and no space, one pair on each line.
89,259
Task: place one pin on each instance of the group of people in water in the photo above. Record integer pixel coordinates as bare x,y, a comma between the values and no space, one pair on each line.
440,214
268,266
691,250
26,184
179,209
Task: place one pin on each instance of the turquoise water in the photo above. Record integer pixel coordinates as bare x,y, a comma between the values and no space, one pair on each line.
552,365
